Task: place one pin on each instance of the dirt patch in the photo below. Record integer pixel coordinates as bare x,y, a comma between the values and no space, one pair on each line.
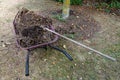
78,24
28,29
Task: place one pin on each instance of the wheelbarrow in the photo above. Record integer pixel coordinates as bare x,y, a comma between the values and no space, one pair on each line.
37,46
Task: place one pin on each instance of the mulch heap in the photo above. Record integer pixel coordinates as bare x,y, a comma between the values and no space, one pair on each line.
27,25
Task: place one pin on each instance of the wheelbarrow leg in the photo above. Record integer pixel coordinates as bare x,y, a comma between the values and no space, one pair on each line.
27,64
63,51
44,47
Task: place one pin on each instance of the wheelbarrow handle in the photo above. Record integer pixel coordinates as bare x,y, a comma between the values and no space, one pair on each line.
27,64
63,51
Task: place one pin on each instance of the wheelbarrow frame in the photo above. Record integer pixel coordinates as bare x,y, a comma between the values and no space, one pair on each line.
38,45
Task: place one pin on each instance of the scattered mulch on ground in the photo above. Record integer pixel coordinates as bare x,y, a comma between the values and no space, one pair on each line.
79,24
28,29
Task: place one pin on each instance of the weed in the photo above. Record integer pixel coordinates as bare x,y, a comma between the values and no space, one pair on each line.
107,10
114,4
114,50
108,7
72,36
118,34
59,17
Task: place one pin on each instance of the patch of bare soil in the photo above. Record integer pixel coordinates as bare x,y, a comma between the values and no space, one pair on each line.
79,24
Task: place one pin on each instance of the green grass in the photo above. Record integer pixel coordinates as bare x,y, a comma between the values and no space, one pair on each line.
114,50
59,17
118,33
93,67
107,7
72,36
57,66
114,4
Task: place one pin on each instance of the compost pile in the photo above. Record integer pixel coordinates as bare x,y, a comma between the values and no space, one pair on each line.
28,29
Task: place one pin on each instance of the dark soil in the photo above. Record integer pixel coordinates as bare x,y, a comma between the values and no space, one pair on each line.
28,28
115,11
79,24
